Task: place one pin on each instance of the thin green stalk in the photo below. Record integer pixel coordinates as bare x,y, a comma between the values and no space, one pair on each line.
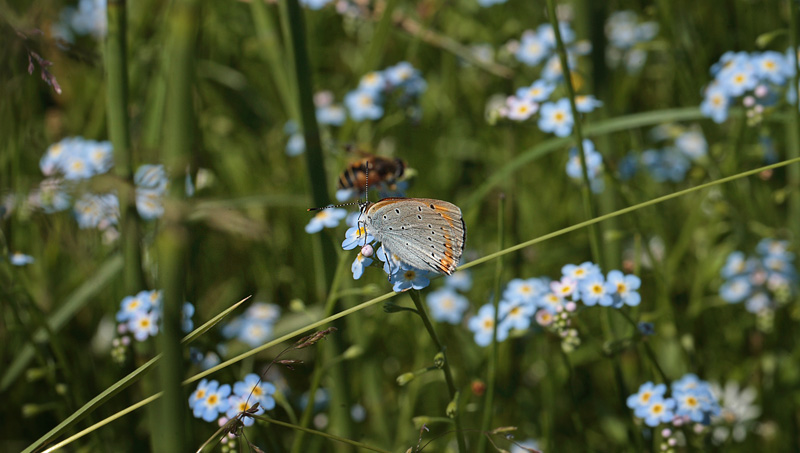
117,85
173,240
448,375
491,374
793,127
295,36
588,201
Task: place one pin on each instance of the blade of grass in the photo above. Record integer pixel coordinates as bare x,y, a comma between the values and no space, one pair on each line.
116,65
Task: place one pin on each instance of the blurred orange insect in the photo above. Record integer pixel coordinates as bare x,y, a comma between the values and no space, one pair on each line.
382,170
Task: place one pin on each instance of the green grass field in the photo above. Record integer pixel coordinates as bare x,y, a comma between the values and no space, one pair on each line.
629,182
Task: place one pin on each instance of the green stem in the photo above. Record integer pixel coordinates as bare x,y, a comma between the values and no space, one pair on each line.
586,193
173,240
295,37
448,375
117,97
491,375
793,127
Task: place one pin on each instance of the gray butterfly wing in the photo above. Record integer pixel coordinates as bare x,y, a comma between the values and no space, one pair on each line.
424,233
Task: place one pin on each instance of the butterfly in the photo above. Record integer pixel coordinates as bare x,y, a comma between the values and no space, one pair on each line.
424,233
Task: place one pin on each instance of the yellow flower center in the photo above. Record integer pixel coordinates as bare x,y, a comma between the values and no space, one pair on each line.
657,408
559,116
212,400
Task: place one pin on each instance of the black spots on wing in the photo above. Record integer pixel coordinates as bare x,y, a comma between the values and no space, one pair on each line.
384,217
419,217
420,208
433,207
397,210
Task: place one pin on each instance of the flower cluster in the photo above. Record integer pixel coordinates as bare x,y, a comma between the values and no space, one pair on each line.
762,282
402,82
555,114
594,166
753,79
446,304
88,19
625,32
679,147
691,400
402,276
214,402
255,326
552,303
75,159
139,315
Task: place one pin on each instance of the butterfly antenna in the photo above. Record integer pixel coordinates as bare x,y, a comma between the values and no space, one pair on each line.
366,182
353,203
